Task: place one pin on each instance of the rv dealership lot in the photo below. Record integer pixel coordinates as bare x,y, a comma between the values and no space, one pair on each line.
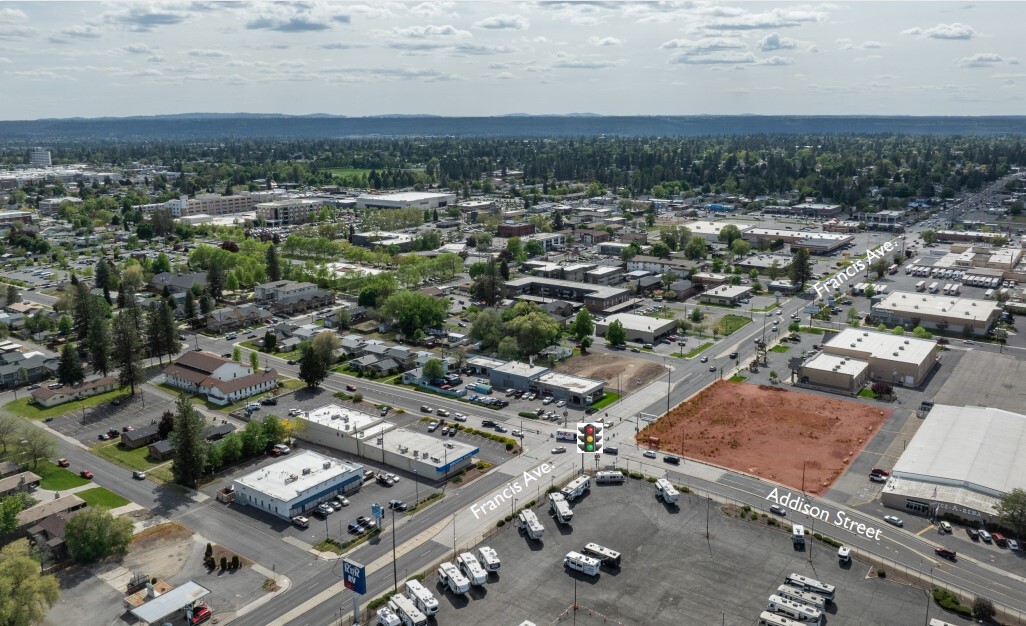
670,573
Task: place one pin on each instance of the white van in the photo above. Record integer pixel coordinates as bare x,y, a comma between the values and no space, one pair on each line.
584,564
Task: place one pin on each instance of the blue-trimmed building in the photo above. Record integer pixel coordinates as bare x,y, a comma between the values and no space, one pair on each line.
297,483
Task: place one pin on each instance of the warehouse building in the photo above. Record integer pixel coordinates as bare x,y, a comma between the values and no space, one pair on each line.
369,436
950,314
816,243
297,483
960,463
639,328
710,231
406,200
596,298
728,295
854,356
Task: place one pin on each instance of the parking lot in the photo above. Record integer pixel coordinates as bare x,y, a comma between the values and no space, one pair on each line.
86,425
671,574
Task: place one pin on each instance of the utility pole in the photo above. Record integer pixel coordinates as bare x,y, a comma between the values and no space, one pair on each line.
395,569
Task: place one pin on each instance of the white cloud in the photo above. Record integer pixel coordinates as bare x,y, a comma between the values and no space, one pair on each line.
208,54
9,16
82,31
15,31
773,41
578,64
776,61
604,42
502,76
5,60
432,9
956,31
297,17
137,48
702,46
338,45
733,18
38,74
986,59
871,45
430,31
504,22
480,49
724,57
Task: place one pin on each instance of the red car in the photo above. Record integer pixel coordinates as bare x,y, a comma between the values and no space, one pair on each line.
350,387
86,474
63,463
200,615
880,472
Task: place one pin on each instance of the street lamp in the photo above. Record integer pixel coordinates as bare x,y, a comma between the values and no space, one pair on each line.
416,482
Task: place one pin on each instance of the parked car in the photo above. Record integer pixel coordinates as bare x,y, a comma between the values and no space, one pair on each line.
338,502
561,403
673,460
325,509
200,615
986,536
945,527
357,528
973,534
891,519
86,474
1013,544
63,463
487,423
779,510
269,401
432,426
397,505
301,522
445,430
880,471
291,362
385,480
284,449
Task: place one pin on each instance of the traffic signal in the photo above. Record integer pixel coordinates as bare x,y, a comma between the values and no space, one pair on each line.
589,437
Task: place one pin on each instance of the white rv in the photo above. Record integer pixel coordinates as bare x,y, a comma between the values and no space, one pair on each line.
576,488
609,478
449,576
584,564
489,558
472,569
528,522
666,492
407,611
387,617
560,508
424,600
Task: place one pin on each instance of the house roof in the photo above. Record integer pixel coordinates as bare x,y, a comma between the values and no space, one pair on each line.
243,382
49,507
44,393
142,432
12,482
201,361
385,364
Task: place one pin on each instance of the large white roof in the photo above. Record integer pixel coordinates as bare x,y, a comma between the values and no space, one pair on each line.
879,345
979,448
640,323
285,480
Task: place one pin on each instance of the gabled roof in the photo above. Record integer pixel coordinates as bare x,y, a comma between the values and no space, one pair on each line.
201,361
244,382
44,392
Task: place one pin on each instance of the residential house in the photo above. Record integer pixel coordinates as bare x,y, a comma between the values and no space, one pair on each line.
234,317
62,505
18,483
222,380
352,346
44,396
162,450
177,283
684,289
589,237
383,367
289,296
7,468
307,332
48,535
142,436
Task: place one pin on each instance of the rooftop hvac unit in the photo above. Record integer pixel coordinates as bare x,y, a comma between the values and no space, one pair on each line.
858,339
865,334
852,345
895,354
326,465
416,453
335,417
901,347
435,459
423,455
380,440
306,470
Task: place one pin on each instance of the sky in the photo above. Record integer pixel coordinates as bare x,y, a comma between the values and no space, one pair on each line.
482,58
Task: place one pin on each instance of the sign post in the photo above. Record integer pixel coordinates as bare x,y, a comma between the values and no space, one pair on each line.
354,577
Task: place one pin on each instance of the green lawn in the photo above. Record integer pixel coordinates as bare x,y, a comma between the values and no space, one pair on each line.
57,478
343,172
700,349
738,378
137,459
606,400
867,393
22,407
98,496
730,323
812,330
779,349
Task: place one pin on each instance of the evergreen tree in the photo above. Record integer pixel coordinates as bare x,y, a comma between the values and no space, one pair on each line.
189,306
312,367
273,264
215,277
169,330
102,278
128,349
206,304
69,369
153,334
12,294
801,268
98,345
82,310
188,443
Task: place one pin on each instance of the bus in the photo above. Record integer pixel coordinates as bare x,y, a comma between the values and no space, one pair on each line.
407,612
773,619
566,435
814,600
810,584
794,610
921,285
602,553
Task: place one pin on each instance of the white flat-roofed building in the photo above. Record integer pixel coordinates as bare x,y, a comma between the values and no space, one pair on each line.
576,390
658,265
821,243
834,372
50,206
952,314
710,231
516,375
604,275
380,238
547,240
406,200
725,294
297,483
639,328
896,359
371,437
961,461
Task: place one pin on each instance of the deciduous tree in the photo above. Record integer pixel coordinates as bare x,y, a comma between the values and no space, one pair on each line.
94,534
1012,510
25,595
615,333
434,368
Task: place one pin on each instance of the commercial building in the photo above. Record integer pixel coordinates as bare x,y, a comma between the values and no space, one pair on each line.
371,437
950,314
507,229
815,209
596,298
38,157
611,248
604,275
974,236
15,217
383,239
406,200
50,206
547,240
575,390
215,204
289,296
710,231
728,295
854,356
222,380
639,328
681,267
817,243
297,483
289,211
960,462
44,396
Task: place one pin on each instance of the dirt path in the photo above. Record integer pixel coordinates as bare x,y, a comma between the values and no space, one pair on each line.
630,374
770,432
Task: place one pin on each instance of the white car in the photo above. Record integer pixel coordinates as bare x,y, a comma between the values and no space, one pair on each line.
890,519
459,417
547,400
649,454
442,413
432,427
561,403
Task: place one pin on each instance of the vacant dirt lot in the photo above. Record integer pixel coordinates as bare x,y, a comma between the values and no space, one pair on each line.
633,373
769,432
